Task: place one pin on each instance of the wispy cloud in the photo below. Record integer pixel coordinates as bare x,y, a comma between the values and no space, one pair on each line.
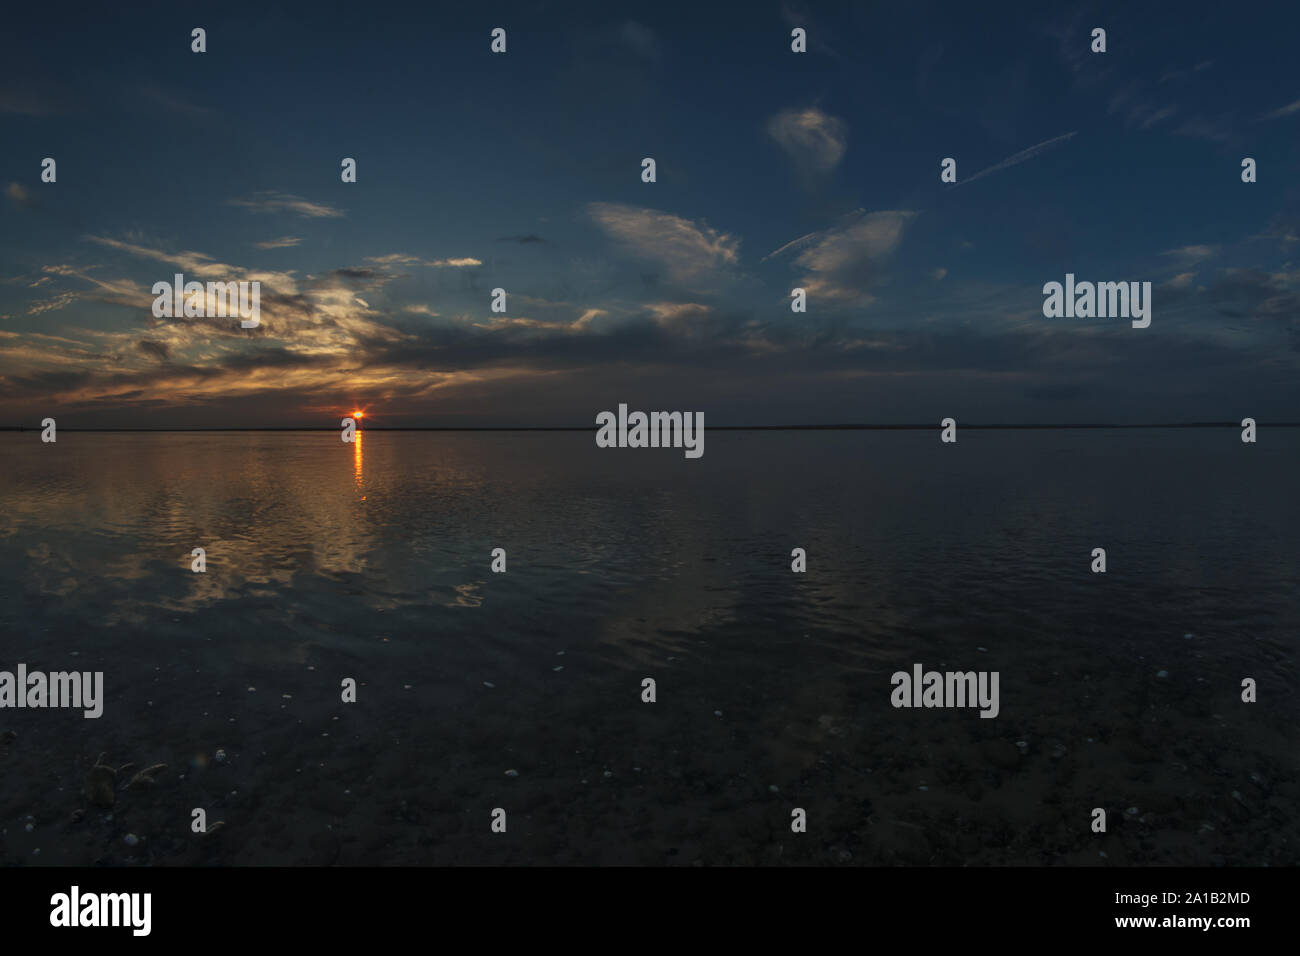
283,202
283,242
455,263
1021,157
1193,253
111,291
844,261
640,38
689,251
792,244
18,194
1213,129
1281,111
813,139
400,259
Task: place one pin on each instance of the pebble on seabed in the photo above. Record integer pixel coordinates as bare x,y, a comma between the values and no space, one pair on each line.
512,773
219,756
488,683
1162,674
558,669
717,713
131,839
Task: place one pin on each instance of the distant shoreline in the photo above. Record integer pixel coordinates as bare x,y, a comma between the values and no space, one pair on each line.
588,428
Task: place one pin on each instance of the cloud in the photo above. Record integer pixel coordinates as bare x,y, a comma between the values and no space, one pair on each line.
321,314
1023,156
844,261
110,291
1193,253
201,265
678,316
689,251
283,202
18,194
485,371
355,275
792,244
454,263
1215,131
814,140
938,273
283,242
57,302
399,259
522,240
1281,111
1139,111
1253,293
640,38
585,320
1162,114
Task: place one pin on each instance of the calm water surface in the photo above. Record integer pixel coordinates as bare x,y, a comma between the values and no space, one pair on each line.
327,561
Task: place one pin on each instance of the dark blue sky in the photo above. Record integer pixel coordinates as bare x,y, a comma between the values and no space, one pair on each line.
775,170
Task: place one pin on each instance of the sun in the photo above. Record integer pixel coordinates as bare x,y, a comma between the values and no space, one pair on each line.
358,414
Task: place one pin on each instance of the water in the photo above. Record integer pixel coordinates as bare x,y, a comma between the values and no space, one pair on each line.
327,561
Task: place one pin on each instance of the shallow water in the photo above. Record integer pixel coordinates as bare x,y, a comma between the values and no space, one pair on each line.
327,561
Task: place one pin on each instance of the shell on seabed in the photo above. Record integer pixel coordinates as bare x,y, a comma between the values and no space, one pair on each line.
146,777
100,783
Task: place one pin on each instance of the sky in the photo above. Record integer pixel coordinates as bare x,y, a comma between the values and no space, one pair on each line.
775,170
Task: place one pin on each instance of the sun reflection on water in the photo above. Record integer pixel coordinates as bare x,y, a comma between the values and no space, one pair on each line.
357,456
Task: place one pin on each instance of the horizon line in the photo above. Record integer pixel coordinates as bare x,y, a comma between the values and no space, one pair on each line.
586,428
